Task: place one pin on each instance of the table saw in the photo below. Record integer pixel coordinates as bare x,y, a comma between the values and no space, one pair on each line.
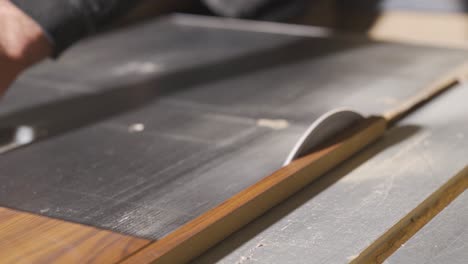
165,142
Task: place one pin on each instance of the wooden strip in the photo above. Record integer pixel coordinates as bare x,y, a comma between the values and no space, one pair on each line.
347,210
28,238
435,88
205,231
391,240
443,240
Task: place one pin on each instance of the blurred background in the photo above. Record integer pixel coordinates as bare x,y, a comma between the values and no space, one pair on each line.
415,21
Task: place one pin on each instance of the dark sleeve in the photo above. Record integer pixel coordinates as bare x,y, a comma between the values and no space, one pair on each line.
67,21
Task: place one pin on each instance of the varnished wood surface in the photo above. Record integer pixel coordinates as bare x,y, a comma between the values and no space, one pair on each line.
27,238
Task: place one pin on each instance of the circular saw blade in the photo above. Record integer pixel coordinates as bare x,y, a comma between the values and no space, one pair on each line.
322,129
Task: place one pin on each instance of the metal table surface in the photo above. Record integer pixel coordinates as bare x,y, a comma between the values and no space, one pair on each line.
222,103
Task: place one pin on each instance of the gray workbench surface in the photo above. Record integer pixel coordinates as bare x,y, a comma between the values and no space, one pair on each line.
337,217
201,88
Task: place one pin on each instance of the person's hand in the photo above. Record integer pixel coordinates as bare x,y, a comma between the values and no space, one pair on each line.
22,43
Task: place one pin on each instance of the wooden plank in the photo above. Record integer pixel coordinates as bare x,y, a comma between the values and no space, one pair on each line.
28,238
443,240
363,209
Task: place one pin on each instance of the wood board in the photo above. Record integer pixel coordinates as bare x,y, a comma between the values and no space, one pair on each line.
28,238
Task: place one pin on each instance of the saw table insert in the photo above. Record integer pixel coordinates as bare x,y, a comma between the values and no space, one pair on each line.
206,95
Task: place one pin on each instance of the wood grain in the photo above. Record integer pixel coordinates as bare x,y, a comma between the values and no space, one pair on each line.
205,231
28,238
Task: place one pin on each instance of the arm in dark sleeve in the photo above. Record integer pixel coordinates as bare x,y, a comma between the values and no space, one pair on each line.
67,21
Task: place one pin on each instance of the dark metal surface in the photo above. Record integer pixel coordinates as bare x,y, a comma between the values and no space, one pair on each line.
207,95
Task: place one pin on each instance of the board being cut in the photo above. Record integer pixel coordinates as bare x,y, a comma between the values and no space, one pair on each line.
29,238
153,125
364,208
